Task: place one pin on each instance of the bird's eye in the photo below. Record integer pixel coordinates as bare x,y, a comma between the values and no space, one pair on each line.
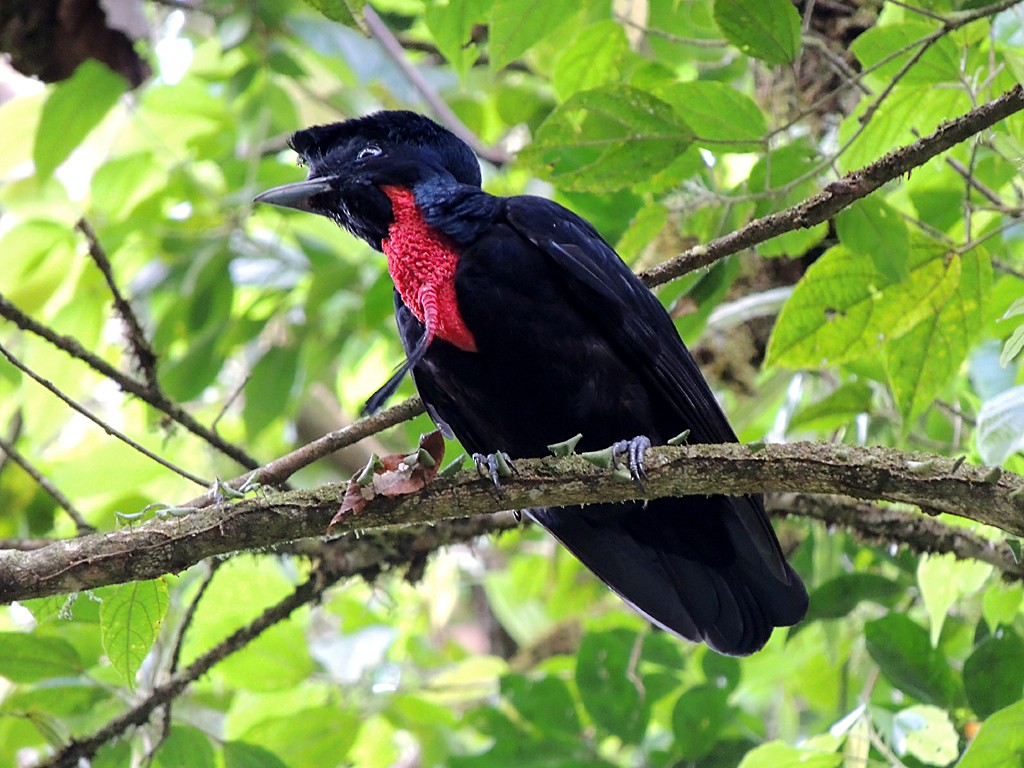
370,150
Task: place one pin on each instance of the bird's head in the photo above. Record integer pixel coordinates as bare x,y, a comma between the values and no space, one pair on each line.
349,164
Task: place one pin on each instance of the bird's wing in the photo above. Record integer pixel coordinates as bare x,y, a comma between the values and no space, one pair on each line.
631,317
634,322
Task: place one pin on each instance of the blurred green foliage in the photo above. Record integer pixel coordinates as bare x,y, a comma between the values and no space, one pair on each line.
663,122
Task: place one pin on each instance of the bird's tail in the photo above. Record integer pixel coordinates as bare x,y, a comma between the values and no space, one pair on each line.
704,568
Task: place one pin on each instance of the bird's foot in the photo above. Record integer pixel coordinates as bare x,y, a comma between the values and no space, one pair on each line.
633,451
494,466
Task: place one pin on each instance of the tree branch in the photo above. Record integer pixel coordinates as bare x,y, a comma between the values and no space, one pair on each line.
876,524
933,483
279,470
842,192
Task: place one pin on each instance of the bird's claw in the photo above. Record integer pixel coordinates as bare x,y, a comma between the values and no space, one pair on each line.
494,466
635,450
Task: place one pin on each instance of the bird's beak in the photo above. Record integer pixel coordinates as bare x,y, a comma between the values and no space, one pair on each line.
296,195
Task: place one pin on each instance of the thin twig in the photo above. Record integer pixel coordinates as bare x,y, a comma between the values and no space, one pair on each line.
843,69
1007,269
13,433
81,524
874,106
350,556
179,642
950,24
697,42
915,9
842,192
279,470
230,400
136,337
54,390
80,749
155,399
970,178
444,113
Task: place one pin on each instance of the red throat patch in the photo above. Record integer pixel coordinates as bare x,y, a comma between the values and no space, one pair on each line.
422,264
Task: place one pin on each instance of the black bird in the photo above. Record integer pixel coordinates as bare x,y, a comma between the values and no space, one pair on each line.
522,326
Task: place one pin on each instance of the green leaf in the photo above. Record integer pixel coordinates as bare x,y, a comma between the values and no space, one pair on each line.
787,173
606,138
234,28
279,658
469,678
186,747
20,119
26,657
112,755
307,737
994,672
1001,603
643,233
1015,309
269,387
130,620
697,719
545,702
31,247
925,733
875,47
1013,346
839,408
906,657
515,26
871,227
595,57
768,30
906,114
61,698
828,319
607,684
75,107
720,116
1000,742
793,244
121,184
843,308
777,754
451,27
784,167
723,672
210,290
839,596
920,363
347,12
1000,431
943,580
239,754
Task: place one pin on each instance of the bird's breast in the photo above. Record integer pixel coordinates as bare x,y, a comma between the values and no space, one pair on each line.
422,265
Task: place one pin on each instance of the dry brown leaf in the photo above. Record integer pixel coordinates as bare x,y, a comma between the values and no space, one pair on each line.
393,475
